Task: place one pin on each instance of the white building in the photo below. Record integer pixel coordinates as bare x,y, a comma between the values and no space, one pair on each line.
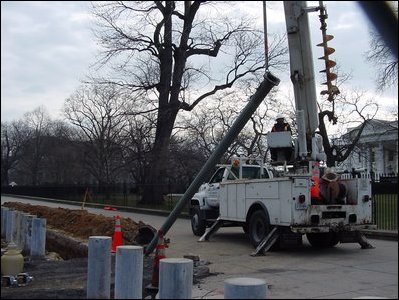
376,150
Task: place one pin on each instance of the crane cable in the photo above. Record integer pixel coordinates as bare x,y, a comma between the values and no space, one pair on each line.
265,37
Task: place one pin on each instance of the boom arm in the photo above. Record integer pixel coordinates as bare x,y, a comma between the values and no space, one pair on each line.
302,72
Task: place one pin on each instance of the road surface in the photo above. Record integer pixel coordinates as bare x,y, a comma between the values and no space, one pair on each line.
343,272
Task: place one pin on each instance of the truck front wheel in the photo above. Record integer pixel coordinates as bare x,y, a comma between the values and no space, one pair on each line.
259,227
198,224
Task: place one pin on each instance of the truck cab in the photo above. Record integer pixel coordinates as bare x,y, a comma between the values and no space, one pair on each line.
204,206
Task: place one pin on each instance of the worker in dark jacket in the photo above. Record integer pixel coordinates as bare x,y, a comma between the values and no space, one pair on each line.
280,125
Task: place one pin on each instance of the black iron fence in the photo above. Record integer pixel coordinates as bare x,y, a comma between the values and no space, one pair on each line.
385,202
384,195
111,194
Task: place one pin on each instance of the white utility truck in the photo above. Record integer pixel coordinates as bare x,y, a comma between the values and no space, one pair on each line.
205,203
304,198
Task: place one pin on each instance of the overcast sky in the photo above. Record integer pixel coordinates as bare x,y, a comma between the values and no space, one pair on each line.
47,48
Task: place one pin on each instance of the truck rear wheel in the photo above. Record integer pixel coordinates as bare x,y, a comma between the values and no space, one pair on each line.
259,227
323,239
198,224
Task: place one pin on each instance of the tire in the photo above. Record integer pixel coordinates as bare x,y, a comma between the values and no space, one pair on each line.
259,227
198,224
323,240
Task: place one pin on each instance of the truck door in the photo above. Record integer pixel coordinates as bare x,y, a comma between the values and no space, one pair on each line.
213,187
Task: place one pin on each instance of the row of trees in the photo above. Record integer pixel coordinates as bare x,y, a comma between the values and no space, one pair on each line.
177,76
100,141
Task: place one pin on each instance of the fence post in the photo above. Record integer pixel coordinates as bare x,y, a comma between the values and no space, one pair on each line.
175,278
129,272
99,267
38,238
10,225
27,233
245,288
4,211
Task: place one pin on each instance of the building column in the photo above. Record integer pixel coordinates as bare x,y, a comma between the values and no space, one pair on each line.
379,159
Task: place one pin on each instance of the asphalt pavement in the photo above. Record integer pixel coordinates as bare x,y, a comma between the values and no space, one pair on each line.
343,272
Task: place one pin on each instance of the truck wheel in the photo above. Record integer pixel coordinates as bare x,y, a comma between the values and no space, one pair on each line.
323,239
259,227
198,224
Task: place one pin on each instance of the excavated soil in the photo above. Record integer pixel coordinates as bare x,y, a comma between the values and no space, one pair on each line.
79,223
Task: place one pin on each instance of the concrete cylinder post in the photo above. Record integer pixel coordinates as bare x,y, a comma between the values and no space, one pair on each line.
38,239
28,234
175,278
18,229
129,272
22,235
15,226
99,268
4,211
245,288
22,230
10,225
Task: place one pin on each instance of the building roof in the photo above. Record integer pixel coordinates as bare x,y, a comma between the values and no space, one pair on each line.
374,131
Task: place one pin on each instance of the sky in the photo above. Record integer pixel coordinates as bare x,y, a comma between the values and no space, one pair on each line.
47,48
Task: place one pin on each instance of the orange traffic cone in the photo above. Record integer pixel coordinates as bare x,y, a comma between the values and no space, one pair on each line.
117,239
159,254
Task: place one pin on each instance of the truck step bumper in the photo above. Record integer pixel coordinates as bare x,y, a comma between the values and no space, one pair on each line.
338,228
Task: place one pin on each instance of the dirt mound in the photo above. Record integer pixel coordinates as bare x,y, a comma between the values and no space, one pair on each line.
82,224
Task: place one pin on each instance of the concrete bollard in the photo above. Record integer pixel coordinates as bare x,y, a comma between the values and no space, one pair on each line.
129,272
27,233
15,217
99,268
4,211
175,278
245,288
38,238
22,230
18,229
10,225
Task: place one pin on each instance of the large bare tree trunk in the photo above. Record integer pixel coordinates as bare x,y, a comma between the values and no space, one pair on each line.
158,62
156,181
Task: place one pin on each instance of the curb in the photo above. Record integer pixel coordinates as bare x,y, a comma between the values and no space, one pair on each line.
389,235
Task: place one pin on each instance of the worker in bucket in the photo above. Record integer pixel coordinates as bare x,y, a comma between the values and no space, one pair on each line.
280,124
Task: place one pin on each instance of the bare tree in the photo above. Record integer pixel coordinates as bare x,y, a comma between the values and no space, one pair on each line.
36,127
387,65
207,126
383,59
138,137
12,142
354,109
167,51
98,113
63,162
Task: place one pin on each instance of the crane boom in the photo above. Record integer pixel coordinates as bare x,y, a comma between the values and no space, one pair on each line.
301,67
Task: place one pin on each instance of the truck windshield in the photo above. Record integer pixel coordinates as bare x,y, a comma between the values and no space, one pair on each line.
218,176
248,172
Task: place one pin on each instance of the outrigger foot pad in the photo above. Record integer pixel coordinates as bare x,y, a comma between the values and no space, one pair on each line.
363,242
